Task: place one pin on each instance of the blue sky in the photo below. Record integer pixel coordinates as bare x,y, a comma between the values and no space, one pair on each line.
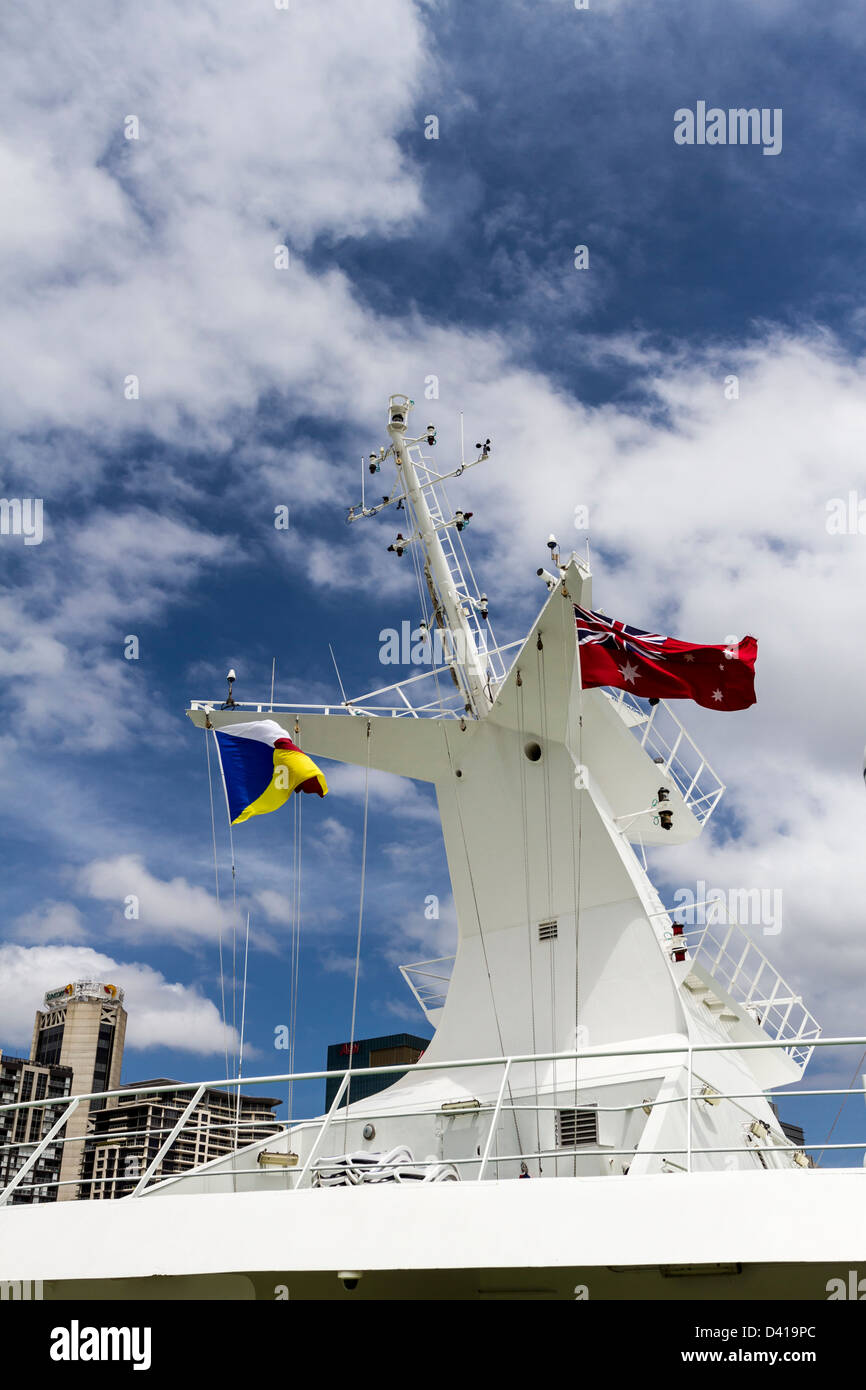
259,387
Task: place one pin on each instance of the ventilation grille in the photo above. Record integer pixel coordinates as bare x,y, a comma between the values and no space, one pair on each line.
547,931
575,1127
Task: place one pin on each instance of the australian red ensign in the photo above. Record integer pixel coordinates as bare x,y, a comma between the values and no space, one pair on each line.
657,667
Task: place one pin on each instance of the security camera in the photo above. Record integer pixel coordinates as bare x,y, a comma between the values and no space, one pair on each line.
231,676
398,412
550,579
350,1279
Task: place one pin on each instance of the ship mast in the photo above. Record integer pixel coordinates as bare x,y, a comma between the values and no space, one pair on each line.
460,614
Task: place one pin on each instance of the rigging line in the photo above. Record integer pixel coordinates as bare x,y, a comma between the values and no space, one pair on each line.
575,835
243,1023
339,677
521,730
234,900
419,580
481,934
273,674
296,941
300,802
579,863
293,918
217,891
542,677
542,687
845,1100
424,595
360,925
292,934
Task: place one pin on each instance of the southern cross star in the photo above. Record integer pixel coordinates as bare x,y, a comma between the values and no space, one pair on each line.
717,694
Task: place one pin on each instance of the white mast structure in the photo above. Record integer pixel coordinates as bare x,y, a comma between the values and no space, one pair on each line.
548,796
582,1033
456,607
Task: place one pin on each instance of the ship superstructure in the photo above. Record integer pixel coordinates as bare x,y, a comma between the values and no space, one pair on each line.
548,796
585,1039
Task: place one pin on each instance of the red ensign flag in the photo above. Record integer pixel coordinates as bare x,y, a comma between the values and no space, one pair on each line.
656,667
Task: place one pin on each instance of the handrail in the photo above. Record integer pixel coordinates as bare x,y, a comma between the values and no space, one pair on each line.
355,705
686,1051
164,1148
400,1068
38,1151
689,780
324,1129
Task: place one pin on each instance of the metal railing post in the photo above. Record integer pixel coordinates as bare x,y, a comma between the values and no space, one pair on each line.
495,1120
38,1151
158,1157
689,1115
323,1131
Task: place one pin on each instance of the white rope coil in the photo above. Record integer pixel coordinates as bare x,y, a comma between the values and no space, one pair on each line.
398,1165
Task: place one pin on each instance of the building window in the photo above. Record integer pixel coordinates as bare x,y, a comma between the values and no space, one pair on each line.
104,1050
393,1056
49,1044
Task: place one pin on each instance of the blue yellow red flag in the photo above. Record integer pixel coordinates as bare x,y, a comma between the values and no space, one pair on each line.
262,767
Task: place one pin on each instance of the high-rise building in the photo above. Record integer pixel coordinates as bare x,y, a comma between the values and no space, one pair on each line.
130,1130
81,1026
21,1130
371,1052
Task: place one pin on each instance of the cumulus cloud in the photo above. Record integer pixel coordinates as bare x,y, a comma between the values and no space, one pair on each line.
50,922
155,255
173,910
89,585
161,1013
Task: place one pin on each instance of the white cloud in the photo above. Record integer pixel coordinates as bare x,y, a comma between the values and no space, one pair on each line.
156,256
173,910
50,922
126,569
161,1013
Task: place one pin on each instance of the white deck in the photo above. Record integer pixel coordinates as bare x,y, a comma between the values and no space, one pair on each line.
752,1219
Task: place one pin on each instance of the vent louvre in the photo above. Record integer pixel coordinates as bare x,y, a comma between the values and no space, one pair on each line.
575,1127
547,931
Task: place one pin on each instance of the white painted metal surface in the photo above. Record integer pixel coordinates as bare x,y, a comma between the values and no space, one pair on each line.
544,790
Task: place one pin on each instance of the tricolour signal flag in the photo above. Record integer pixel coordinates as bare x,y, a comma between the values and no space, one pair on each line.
663,668
262,767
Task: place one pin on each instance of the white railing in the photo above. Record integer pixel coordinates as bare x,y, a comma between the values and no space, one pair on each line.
664,739
473,1167
410,698
429,981
730,956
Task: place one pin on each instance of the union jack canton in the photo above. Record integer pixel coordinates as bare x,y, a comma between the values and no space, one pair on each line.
615,636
